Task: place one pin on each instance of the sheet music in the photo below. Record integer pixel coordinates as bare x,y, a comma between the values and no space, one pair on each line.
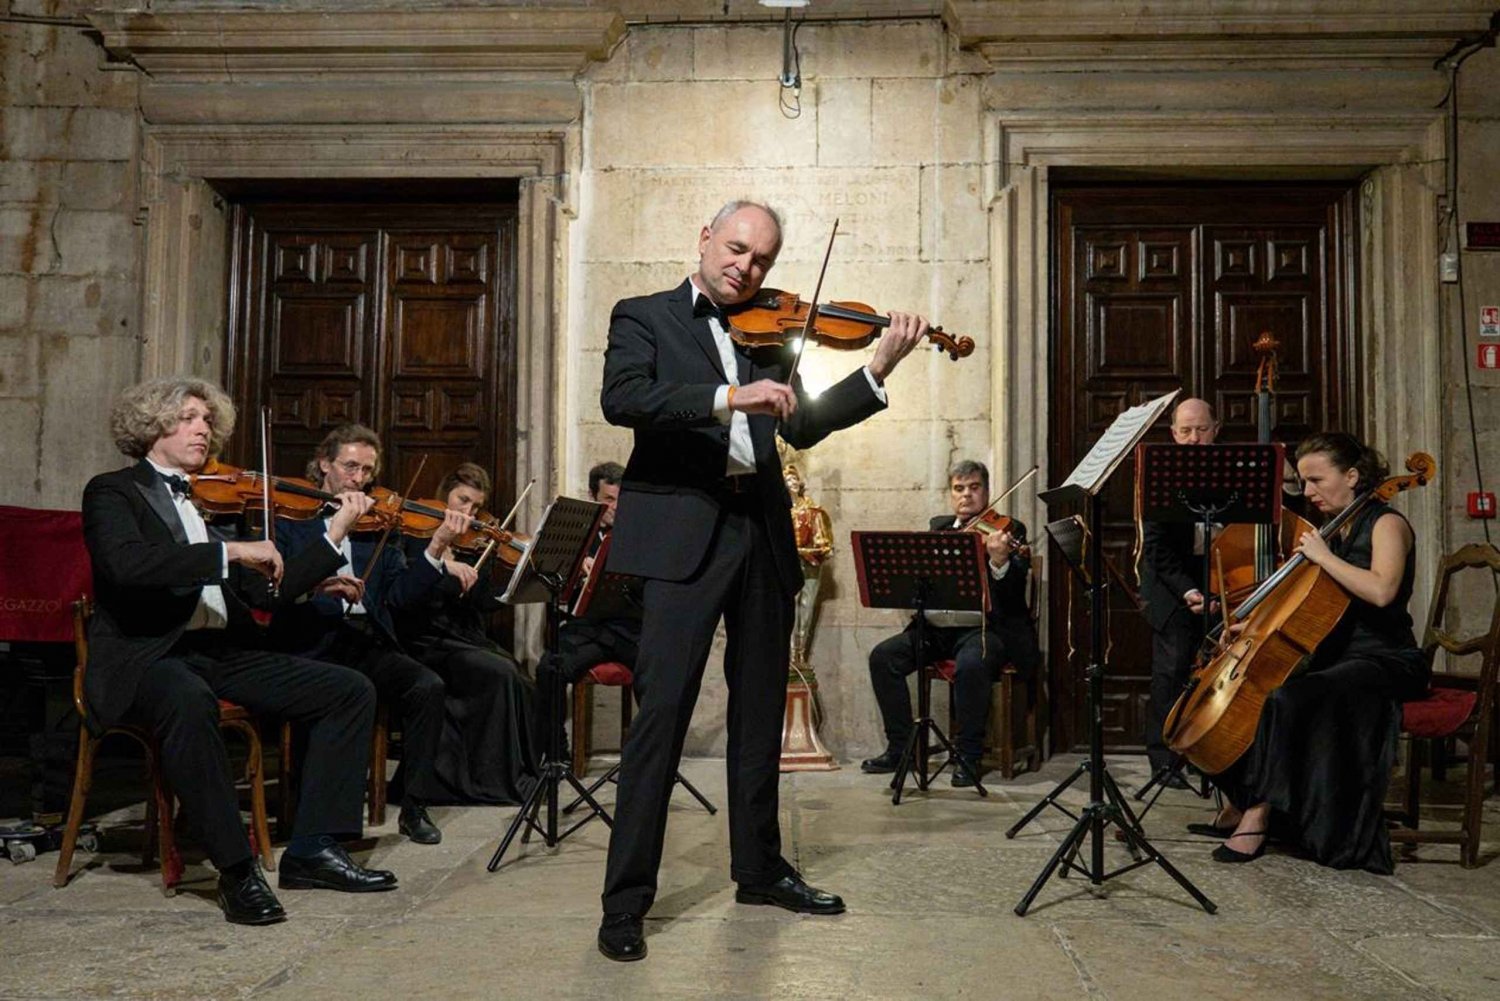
1115,443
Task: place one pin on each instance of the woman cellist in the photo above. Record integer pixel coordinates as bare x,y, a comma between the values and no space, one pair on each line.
1317,770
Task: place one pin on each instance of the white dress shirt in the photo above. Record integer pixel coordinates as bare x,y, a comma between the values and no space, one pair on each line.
741,449
212,612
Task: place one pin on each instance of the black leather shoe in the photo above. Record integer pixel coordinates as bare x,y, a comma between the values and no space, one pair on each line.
415,824
332,869
883,763
621,937
963,778
248,900
1224,853
792,893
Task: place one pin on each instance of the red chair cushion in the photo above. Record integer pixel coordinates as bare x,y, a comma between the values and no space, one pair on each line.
944,669
611,673
1443,711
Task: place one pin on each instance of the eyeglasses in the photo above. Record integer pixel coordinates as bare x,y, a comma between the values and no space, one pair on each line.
351,467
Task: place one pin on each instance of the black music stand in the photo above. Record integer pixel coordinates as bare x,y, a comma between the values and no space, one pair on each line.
1207,484
1106,803
545,573
921,570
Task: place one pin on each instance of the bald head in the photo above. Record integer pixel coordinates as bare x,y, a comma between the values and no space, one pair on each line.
1193,422
736,250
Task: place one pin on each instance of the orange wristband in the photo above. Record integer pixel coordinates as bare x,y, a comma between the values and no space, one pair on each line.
729,400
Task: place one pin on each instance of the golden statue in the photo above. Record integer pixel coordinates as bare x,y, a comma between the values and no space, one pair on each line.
801,750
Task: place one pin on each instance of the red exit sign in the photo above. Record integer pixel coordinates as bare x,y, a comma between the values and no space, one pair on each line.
1483,235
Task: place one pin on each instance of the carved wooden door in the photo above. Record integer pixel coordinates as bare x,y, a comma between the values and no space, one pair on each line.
400,317
1165,287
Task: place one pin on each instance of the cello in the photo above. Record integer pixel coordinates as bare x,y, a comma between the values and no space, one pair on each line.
1285,619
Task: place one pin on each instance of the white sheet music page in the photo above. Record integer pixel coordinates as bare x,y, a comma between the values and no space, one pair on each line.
1116,442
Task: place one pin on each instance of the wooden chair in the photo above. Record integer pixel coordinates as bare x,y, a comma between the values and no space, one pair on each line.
1458,705
160,813
1029,748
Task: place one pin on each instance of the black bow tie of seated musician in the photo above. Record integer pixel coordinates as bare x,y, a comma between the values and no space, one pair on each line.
178,485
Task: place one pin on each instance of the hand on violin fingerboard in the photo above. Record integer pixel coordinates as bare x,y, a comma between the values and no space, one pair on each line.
455,523
765,396
352,504
906,331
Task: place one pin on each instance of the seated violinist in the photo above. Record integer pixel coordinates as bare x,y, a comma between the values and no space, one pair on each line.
1317,770
172,633
486,751
348,619
582,643
979,647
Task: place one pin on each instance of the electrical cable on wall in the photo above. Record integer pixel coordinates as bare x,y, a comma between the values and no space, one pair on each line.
1453,61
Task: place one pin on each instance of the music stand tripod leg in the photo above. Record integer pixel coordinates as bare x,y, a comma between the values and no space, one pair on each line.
1048,800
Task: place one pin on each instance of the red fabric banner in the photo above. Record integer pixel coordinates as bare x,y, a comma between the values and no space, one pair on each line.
44,568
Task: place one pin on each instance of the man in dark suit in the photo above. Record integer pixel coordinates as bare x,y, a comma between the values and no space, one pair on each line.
979,649
705,518
348,618
172,633
1171,571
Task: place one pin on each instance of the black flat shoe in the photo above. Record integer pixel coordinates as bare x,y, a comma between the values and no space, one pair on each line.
883,763
249,900
417,825
966,776
1211,830
331,869
621,938
1224,853
792,893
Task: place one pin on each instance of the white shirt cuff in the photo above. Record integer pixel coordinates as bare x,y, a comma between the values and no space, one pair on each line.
722,413
877,387
338,550
437,564
223,561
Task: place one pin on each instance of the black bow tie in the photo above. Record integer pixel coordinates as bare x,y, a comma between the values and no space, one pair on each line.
703,306
177,484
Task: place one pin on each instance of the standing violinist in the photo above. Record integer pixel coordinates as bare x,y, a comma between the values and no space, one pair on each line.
348,618
979,645
486,752
172,634
704,517
1171,572
1317,770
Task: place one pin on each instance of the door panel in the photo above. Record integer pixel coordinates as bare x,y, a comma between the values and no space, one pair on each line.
1160,288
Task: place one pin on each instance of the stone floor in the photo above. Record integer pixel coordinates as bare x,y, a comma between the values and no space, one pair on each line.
931,885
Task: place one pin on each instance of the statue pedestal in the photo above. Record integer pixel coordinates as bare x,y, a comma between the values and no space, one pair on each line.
801,750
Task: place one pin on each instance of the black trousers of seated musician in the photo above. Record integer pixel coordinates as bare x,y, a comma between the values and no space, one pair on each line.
582,643
178,700
739,582
413,689
978,662
1173,648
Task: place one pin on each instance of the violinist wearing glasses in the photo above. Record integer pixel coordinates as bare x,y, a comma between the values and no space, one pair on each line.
172,633
348,620
704,517
486,753
978,645
1317,770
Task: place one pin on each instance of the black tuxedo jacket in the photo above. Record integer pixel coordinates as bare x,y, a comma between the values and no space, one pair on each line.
447,611
310,627
1010,615
148,578
661,371
1169,569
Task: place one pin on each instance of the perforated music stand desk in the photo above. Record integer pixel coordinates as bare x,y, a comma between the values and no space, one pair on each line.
1238,484
546,572
922,571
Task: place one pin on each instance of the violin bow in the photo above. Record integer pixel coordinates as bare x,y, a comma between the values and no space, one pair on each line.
268,516
490,549
1010,490
812,309
385,536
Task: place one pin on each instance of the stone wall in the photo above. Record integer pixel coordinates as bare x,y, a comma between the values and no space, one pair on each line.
681,120
69,257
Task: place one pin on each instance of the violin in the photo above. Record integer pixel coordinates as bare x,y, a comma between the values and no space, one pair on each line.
1214,720
219,488
421,518
773,317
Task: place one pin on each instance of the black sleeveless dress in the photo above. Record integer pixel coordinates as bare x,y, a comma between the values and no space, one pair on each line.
1326,742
